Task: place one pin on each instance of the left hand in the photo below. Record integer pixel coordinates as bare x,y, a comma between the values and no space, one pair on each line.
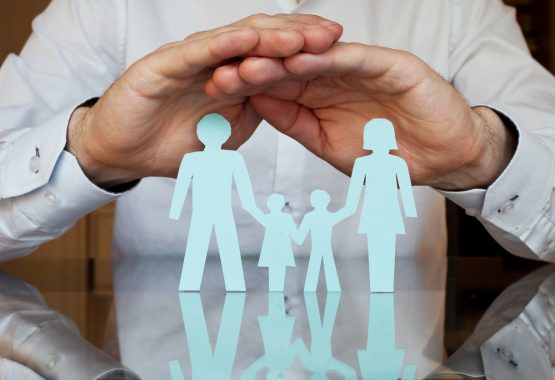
324,100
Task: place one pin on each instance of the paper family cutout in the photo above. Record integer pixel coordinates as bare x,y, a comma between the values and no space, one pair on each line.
379,360
212,173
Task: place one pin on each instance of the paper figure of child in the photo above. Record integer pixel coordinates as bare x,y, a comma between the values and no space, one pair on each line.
212,172
319,222
381,218
276,329
319,358
276,253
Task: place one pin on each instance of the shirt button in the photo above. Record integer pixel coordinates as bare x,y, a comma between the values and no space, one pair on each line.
34,164
51,199
507,207
51,361
472,212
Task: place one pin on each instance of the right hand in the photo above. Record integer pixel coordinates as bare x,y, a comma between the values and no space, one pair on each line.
146,121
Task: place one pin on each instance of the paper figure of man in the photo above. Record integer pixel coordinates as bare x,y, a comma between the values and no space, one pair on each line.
380,172
212,172
319,222
276,253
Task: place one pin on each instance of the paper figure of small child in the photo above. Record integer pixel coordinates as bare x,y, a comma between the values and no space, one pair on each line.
319,222
379,174
276,253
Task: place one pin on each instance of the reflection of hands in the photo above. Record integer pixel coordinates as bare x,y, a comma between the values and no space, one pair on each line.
146,121
324,100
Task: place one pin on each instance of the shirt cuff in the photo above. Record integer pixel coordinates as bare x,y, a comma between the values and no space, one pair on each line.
514,202
67,196
28,162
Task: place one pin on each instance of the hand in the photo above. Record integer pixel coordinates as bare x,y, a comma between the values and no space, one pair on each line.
324,100
146,121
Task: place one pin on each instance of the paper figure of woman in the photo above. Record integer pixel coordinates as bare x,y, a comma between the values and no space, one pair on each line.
381,173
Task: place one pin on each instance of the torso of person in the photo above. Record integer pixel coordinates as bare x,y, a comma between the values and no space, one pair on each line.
276,163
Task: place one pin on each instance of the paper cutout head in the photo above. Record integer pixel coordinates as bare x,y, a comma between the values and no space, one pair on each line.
379,134
213,130
275,202
319,199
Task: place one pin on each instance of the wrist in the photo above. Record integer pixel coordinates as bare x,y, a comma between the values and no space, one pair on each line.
78,144
497,145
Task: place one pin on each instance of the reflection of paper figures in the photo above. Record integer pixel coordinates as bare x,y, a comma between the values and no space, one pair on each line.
319,359
212,172
276,252
319,223
205,363
276,329
381,360
381,218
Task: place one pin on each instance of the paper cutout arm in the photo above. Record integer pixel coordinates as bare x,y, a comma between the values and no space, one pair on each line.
244,188
353,195
181,187
301,234
175,370
297,348
405,188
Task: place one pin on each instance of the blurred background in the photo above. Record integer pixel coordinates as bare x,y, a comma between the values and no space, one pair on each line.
479,268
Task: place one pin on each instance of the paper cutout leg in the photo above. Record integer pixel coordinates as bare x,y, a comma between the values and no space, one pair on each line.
313,272
205,363
381,262
276,278
230,256
381,359
330,271
195,255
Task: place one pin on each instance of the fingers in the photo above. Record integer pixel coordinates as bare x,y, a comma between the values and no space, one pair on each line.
318,33
189,57
291,119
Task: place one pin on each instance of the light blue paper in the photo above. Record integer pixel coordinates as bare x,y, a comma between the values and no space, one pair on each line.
381,359
212,172
319,223
205,363
276,329
319,359
276,253
381,220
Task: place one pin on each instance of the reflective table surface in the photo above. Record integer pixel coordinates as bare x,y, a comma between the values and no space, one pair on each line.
155,332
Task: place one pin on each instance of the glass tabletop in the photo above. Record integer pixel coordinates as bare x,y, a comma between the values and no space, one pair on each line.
155,332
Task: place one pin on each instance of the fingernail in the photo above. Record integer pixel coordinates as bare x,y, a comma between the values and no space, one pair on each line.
327,23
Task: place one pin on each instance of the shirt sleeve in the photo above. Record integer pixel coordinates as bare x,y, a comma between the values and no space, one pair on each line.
75,52
491,65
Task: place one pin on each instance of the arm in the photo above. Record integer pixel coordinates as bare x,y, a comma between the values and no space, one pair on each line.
72,55
244,188
353,195
181,186
517,208
303,230
405,188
